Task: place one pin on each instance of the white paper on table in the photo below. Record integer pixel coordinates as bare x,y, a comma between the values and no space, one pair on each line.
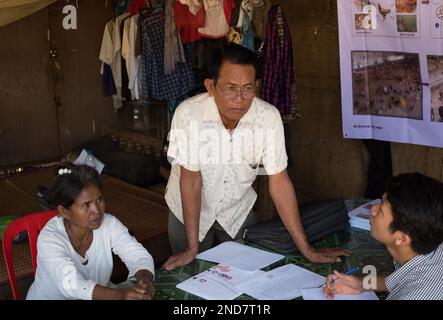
283,283
231,276
317,294
240,256
208,288
82,160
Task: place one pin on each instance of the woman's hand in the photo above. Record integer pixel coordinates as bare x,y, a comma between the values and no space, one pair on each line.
145,283
133,294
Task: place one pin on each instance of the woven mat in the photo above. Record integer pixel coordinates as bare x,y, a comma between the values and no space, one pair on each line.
144,212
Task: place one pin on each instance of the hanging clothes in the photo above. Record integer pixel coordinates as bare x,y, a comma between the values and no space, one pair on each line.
155,84
136,5
248,34
218,17
132,56
278,71
121,7
260,19
125,92
173,46
116,65
107,58
187,22
193,5
108,81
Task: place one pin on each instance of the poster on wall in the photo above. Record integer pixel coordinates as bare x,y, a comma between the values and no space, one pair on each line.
391,67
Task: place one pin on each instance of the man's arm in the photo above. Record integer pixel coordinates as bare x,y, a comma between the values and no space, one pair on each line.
283,194
381,283
190,189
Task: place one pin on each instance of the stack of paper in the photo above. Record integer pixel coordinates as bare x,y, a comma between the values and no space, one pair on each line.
240,256
283,283
218,283
359,217
239,273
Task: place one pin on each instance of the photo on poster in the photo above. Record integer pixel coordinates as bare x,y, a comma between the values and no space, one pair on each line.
382,17
364,21
435,71
359,4
387,84
437,21
407,23
406,6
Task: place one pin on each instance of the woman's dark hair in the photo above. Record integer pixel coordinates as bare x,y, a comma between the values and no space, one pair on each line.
417,207
70,181
233,53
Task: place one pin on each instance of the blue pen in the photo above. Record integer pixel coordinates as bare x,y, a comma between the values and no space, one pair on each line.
350,271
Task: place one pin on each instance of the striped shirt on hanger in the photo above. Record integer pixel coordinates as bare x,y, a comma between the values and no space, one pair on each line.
421,278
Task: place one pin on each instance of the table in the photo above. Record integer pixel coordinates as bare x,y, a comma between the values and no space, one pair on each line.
366,251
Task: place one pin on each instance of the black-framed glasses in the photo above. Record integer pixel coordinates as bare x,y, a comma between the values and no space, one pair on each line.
231,92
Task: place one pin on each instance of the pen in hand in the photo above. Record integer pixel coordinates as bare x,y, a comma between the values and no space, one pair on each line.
350,271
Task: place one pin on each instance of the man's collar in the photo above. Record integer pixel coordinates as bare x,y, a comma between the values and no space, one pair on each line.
210,112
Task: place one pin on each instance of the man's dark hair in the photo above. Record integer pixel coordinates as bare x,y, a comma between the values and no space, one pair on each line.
68,185
417,207
233,53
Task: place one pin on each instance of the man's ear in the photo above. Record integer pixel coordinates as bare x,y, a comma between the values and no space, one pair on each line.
63,212
210,86
402,239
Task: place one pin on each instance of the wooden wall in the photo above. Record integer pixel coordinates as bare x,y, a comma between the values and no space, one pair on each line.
326,165
33,127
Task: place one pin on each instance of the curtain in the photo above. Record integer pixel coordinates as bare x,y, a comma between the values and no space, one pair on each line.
13,10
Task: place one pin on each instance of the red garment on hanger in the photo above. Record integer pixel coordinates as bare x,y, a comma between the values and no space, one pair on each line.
136,5
184,18
189,34
228,7
187,22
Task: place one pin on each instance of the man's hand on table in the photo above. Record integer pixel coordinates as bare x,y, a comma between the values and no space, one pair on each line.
326,255
180,259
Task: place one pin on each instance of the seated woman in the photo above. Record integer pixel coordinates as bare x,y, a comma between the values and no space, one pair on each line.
74,259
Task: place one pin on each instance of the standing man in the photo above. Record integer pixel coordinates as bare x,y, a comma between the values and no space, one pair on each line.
218,141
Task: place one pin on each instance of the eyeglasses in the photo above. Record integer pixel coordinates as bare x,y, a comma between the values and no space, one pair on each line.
231,92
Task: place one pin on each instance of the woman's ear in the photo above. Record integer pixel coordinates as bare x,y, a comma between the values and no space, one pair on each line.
210,86
63,212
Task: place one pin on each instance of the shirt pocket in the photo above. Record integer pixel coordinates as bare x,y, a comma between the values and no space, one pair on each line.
247,172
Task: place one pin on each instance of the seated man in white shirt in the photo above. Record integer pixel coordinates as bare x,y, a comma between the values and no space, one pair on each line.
218,141
74,259
409,221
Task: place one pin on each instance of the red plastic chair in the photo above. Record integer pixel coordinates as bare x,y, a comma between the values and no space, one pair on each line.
31,223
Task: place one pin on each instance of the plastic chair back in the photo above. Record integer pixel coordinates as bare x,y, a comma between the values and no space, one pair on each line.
32,224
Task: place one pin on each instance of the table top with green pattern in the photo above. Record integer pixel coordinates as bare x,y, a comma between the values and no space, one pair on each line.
366,251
